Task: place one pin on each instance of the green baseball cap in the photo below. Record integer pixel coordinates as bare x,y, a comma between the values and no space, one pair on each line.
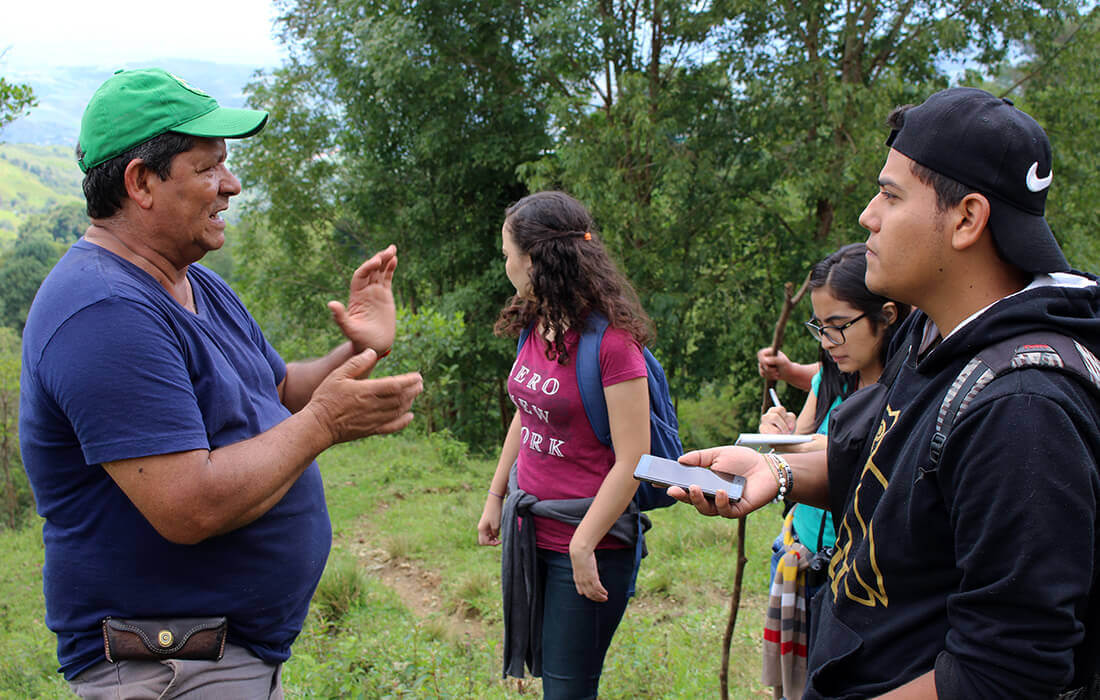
133,106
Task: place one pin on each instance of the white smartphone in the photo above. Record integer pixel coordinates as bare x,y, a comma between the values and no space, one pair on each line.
666,472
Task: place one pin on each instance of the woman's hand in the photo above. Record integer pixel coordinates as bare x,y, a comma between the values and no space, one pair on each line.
488,527
777,420
586,576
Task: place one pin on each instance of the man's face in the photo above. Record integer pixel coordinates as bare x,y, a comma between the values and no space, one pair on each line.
190,201
907,246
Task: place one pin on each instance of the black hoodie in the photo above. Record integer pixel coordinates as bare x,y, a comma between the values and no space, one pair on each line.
980,568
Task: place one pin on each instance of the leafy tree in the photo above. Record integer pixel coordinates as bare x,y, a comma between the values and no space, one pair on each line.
20,277
723,146
393,122
64,223
648,136
1053,87
727,146
41,241
16,99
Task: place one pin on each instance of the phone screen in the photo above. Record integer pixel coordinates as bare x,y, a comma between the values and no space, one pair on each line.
667,472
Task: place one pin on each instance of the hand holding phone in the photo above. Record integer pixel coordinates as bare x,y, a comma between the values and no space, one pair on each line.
666,472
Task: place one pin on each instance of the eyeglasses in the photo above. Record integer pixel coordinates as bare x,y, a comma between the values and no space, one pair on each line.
834,334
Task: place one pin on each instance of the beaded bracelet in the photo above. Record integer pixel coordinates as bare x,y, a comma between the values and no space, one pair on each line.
775,473
781,470
789,472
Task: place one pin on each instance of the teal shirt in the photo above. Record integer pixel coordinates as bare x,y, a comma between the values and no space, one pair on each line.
807,519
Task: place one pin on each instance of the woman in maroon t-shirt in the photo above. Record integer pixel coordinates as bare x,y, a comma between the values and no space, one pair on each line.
562,273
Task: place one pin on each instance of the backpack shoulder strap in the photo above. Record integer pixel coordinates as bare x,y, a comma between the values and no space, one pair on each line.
523,337
1041,350
588,376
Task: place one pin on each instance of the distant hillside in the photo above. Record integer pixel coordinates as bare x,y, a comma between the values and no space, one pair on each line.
62,93
34,179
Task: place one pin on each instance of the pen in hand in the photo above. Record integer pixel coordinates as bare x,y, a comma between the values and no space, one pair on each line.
775,396
777,416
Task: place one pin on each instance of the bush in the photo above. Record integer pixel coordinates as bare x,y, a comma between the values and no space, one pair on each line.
342,589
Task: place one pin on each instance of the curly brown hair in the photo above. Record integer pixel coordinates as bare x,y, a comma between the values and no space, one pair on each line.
572,274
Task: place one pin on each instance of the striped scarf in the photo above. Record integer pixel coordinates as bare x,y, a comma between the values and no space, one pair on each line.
785,624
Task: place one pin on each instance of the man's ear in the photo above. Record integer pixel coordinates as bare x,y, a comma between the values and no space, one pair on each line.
889,313
136,179
971,216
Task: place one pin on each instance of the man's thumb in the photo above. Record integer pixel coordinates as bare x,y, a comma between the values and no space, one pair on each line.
360,364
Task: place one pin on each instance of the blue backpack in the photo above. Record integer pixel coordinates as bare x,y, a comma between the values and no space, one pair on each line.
664,429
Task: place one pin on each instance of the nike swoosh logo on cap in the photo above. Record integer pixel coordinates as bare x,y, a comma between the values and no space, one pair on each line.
1036,183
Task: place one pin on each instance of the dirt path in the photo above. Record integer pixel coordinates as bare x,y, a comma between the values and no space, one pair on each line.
417,587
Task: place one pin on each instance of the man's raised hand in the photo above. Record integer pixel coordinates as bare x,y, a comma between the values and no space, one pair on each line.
369,319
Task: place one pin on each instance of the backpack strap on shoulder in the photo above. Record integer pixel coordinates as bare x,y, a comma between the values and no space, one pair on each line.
523,337
588,376
1044,350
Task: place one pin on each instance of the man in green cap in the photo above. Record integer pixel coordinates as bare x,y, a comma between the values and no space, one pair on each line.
170,449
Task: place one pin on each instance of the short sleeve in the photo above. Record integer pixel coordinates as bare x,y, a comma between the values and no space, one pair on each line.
621,357
116,369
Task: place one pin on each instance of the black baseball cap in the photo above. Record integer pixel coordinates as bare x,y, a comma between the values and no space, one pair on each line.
989,145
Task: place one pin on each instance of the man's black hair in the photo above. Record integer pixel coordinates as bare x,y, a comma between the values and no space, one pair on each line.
949,191
104,188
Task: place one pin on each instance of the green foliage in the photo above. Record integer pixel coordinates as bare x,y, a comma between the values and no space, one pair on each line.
342,588
438,101
16,501
16,99
723,148
430,342
1064,103
63,223
34,179
21,274
28,651
420,490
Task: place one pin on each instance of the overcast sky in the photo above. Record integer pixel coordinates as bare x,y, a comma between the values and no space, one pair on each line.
42,33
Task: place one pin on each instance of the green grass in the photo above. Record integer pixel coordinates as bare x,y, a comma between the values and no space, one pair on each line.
418,500
28,660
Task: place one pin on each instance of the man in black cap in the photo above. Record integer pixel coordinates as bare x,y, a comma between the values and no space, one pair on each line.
170,448
966,494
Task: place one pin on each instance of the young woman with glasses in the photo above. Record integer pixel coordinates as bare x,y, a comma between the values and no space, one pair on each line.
854,327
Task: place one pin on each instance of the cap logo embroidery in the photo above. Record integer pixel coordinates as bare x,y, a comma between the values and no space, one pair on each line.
187,85
1036,183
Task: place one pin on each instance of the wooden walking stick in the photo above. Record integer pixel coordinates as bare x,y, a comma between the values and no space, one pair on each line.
790,300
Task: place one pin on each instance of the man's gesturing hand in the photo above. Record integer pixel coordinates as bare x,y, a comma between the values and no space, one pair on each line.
368,320
351,406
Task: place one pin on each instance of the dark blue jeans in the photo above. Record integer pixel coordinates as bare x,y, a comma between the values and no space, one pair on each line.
575,630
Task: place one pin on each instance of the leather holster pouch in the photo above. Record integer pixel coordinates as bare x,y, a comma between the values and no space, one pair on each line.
200,638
